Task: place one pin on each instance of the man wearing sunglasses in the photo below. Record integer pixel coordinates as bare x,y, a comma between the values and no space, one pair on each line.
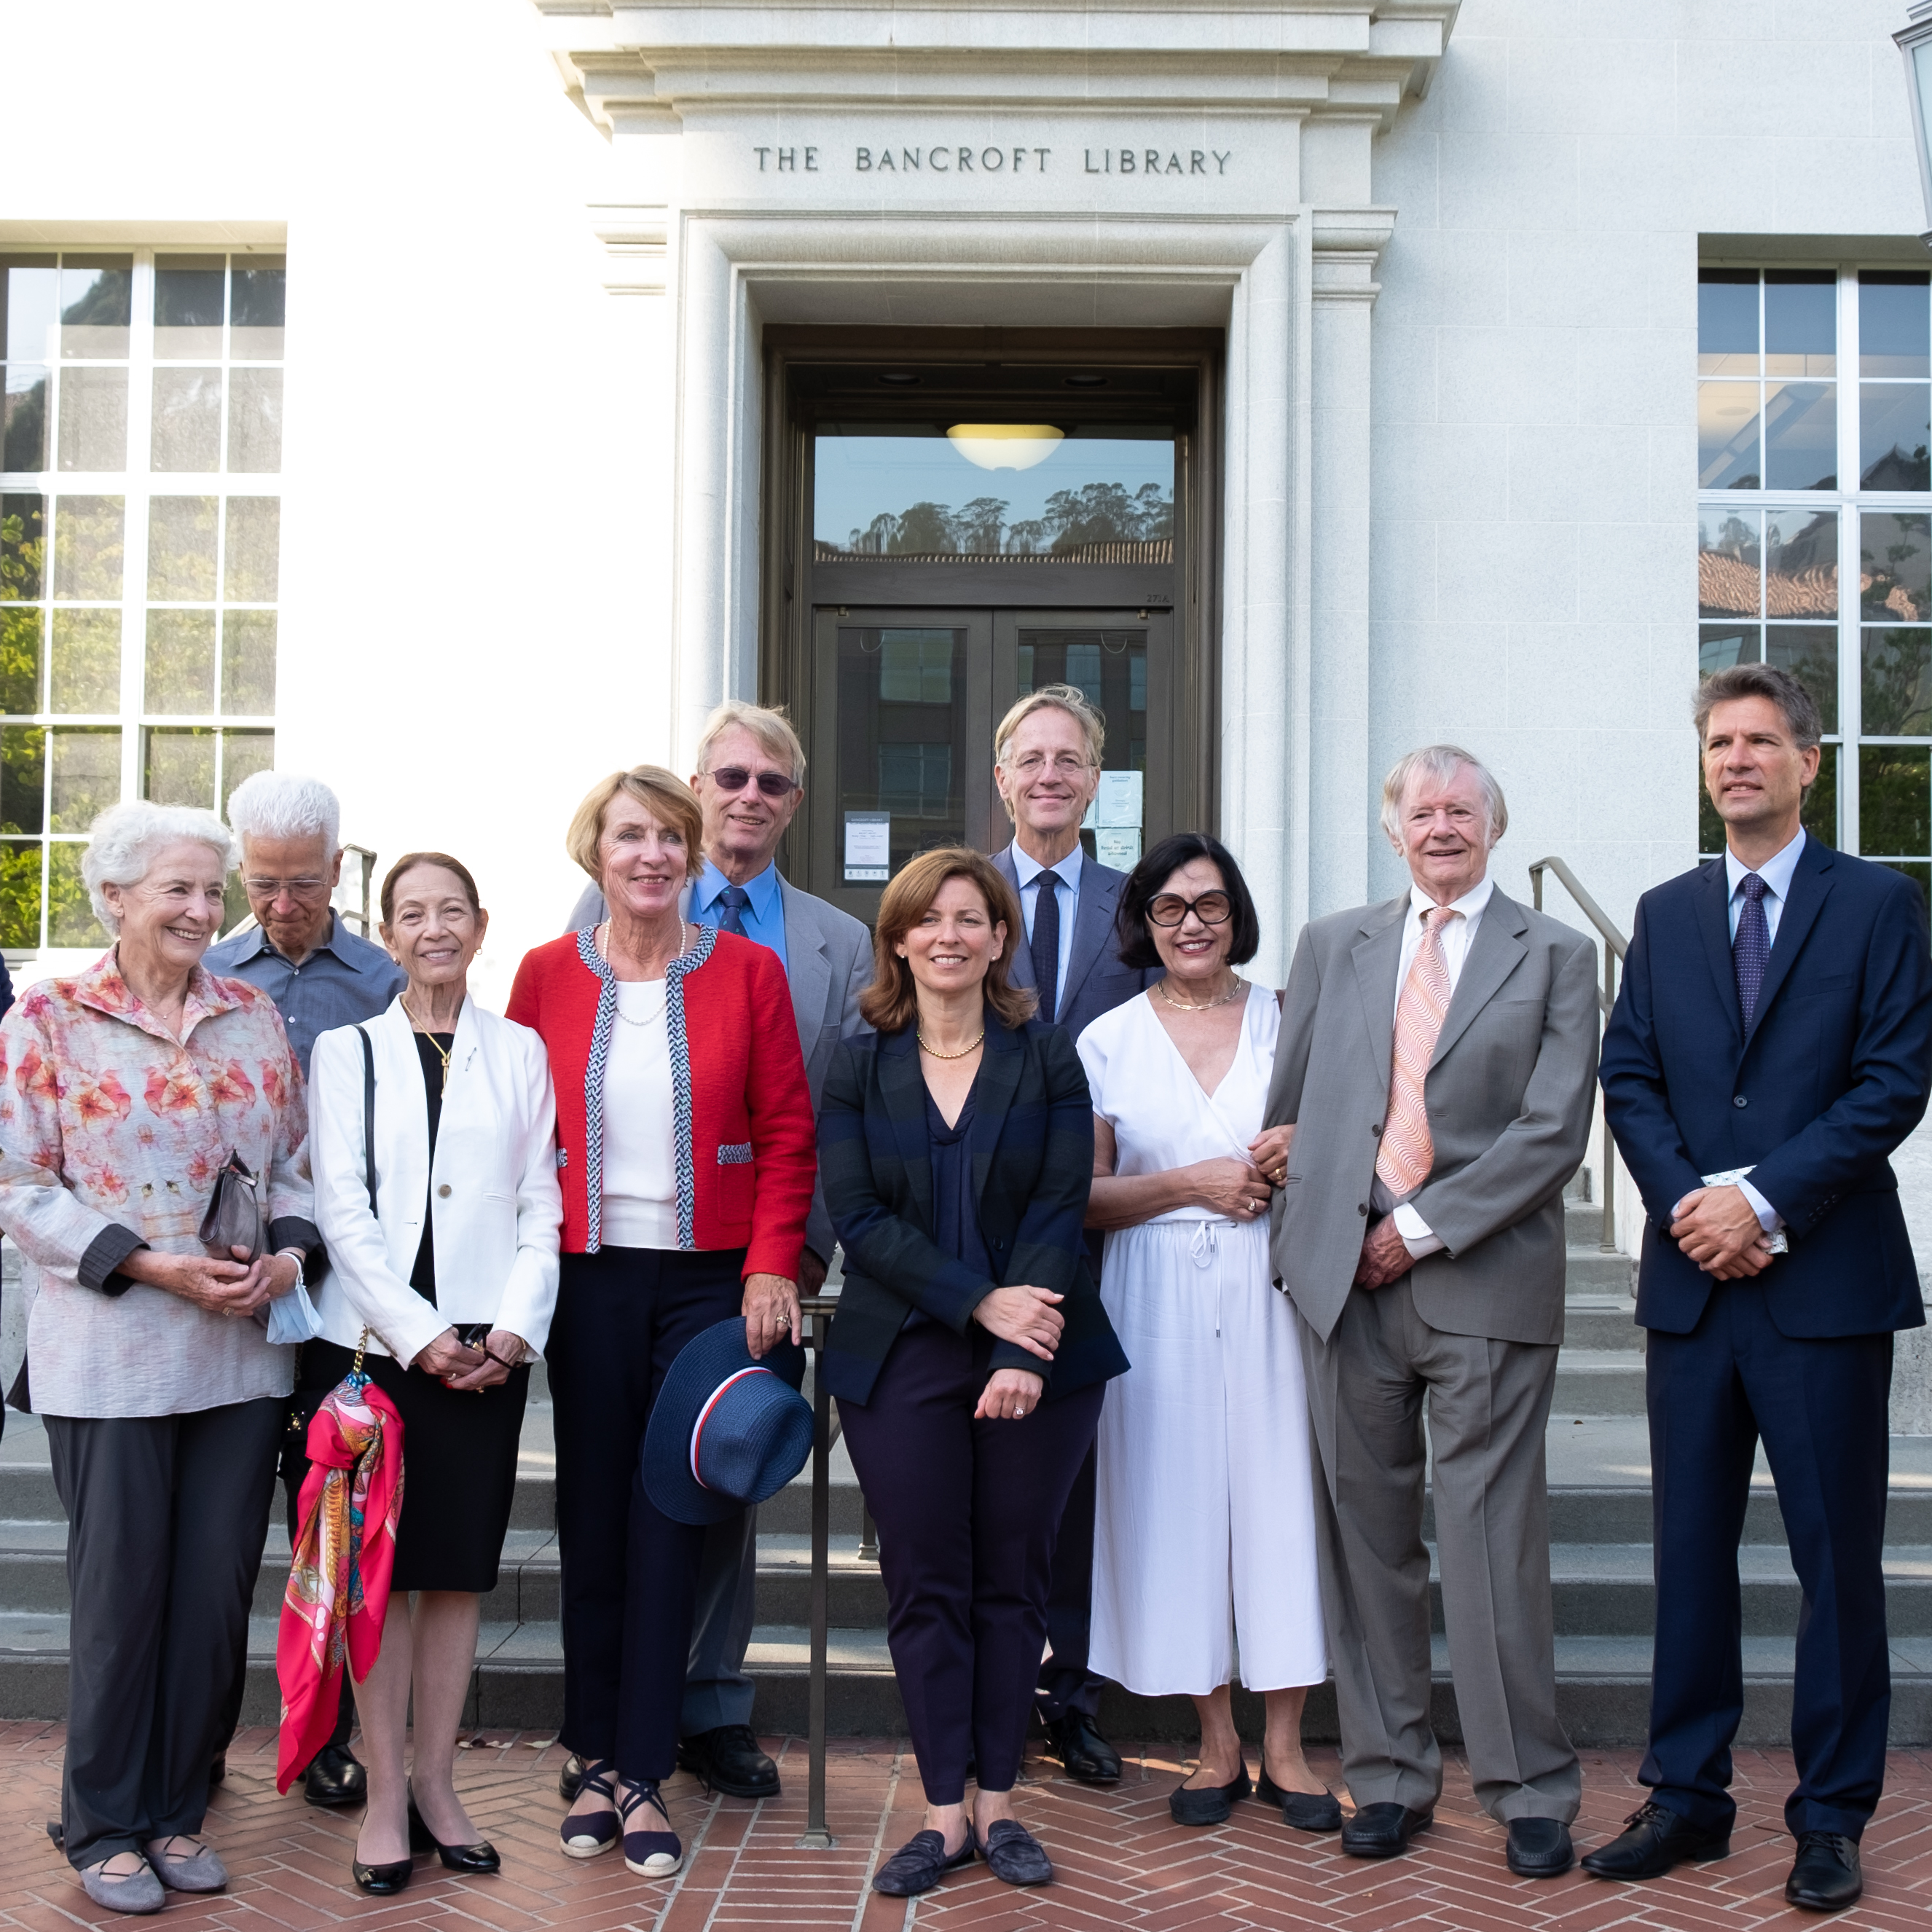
1046,765
750,781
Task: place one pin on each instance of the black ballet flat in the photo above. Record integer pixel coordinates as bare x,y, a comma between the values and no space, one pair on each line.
1306,1810
481,1857
381,1881
1212,1805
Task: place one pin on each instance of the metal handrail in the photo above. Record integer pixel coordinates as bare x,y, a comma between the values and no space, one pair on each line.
1615,947
817,1311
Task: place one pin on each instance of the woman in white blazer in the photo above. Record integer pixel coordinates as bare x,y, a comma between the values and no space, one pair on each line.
442,1250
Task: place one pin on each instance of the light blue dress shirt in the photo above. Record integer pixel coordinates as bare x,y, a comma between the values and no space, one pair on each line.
1067,872
764,919
1776,873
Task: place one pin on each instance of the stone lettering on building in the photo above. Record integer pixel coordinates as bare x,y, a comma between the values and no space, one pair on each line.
966,159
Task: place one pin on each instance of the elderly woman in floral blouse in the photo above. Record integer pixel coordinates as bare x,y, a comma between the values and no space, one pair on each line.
124,1091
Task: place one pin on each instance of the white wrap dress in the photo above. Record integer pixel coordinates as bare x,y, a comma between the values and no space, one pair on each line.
1204,1530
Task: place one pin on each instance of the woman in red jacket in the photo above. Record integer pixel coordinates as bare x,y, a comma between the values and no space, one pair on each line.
686,1148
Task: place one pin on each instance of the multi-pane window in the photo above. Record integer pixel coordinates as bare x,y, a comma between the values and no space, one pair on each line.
139,551
1814,419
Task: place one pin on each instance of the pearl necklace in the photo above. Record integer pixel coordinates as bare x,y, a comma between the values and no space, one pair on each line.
937,1055
1205,1006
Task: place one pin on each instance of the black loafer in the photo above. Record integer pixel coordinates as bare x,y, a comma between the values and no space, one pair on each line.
570,1779
1306,1810
1083,1754
334,1777
381,1881
1540,1847
919,1864
1826,1877
1654,1839
728,1760
1383,1831
1208,1804
1014,1855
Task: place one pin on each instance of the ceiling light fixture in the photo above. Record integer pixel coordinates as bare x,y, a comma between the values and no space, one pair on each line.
1005,445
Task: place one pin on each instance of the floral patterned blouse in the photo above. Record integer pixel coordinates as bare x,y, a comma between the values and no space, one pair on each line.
112,1133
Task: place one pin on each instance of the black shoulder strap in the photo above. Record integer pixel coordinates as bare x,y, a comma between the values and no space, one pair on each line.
368,1116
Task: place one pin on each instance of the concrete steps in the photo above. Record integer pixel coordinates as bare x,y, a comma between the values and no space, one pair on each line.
1600,1524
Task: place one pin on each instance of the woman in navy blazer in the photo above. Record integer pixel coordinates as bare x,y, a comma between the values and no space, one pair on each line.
971,1350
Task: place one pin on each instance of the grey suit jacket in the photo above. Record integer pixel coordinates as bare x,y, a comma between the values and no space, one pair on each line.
1509,1094
1097,982
829,962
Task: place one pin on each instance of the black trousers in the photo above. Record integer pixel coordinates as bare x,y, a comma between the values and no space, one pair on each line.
165,1518
968,1513
1819,1406
1065,1683
630,1573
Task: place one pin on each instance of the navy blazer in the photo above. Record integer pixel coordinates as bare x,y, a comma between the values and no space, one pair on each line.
1097,982
1833,1075
1032,1143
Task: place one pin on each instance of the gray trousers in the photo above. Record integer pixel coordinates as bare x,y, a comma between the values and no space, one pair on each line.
716,1690
1488,1403
166,1519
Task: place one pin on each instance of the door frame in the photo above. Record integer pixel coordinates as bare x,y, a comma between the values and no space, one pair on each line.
786,590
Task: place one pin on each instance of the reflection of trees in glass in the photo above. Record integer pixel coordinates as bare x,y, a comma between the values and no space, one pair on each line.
1894,799
1898,683
1801,574
23,548
1899,469
70,919
86,661
1895,556
1074,520
26,427
19,659
23,765
19,893
1810,652
90,546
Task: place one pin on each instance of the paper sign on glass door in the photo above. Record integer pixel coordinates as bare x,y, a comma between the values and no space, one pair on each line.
868,847
1118,801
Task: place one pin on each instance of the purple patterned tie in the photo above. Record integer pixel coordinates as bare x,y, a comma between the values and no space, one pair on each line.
1751,951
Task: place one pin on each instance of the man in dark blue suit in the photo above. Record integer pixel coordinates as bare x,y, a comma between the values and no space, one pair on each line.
1771,1046
1046,765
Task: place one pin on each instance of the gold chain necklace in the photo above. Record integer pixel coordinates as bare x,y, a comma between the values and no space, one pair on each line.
938,1055
1206,1006
434,1042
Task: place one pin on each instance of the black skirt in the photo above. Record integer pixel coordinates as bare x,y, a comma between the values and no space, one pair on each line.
459,1467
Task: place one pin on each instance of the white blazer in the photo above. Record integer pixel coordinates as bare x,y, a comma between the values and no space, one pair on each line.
492,1193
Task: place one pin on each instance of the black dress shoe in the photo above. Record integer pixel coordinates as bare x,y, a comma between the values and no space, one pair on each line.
919,1864
334,1777
481,1857
728,1760
1084,1755
1014,1855
1654,1838
1540,1847
570,1779
1383,1831
1208,1804
1306,1810
1826,1877
381,1881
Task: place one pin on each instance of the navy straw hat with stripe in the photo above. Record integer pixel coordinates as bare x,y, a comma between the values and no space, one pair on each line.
728,1430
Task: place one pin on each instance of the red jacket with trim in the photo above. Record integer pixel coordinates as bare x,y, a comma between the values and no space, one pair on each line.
746,1146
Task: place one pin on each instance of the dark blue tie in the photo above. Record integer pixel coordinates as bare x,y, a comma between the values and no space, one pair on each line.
1046,941
1751,951
734,899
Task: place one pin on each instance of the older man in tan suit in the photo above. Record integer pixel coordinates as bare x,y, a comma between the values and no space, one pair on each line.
1436,1059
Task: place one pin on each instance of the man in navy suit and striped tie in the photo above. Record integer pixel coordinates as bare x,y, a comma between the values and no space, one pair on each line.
1046,764
1771,1046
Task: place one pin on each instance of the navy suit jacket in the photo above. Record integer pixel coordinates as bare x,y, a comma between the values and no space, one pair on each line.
1097,982
1832,1075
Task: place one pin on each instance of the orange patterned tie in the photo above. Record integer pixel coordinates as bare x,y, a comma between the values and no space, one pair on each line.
1408,1153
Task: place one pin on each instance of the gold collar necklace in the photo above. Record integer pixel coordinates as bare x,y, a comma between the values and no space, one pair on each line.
972,1047
1205,1006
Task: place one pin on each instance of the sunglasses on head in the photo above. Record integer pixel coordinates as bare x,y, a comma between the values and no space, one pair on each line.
735,777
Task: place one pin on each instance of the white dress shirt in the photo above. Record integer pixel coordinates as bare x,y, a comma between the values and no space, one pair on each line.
1776,873
1067,871
1458,935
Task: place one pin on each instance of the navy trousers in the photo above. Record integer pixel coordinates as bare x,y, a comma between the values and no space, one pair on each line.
968,1513
630,1573
1065,1683
1819,1407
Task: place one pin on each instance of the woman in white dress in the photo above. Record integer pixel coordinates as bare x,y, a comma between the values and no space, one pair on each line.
1205,1527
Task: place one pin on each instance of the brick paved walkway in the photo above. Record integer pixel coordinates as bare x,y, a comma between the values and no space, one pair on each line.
1122,1863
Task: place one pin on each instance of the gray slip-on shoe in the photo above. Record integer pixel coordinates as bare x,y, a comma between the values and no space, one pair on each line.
198,1871
137,1892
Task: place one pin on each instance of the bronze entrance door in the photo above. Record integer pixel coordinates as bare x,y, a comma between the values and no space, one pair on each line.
904,705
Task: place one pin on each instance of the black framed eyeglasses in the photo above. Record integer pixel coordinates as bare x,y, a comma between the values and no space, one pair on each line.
735,777
1211,908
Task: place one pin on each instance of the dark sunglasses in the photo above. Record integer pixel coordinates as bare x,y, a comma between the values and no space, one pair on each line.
735,778
1211,908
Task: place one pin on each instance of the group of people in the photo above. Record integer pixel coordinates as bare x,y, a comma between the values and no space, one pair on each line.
1165,1297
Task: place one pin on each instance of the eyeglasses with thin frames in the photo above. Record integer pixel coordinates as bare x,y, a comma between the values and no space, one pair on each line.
1030,764
296,889
1211,908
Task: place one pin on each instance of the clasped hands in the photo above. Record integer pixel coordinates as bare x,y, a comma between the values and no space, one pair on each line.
464,1366
1719,1229
239,1287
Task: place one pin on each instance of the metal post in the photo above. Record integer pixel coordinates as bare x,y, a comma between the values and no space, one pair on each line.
868,1538
1609,1241
817,1838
